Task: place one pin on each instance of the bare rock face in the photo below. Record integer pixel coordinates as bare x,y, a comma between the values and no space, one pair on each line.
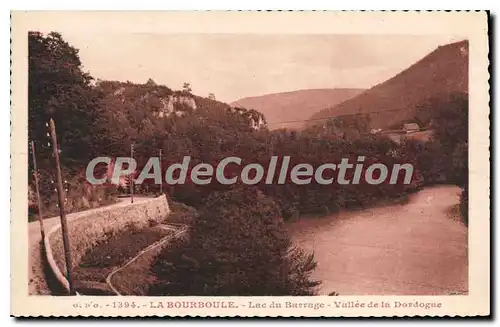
172,103
187,101
167,107
258,124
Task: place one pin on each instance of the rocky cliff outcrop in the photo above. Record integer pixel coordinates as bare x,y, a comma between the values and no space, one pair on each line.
175,104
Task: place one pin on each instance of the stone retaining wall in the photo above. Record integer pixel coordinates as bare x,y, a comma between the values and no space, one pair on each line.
87,228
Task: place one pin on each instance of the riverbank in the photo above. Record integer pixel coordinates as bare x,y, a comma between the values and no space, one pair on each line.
408,249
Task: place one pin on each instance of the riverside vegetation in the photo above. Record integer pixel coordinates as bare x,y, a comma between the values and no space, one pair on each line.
237,244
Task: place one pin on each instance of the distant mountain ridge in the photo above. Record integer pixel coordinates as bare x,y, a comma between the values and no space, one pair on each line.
441,72
295,105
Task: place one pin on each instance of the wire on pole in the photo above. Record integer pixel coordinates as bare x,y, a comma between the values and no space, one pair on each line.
37,190
131,181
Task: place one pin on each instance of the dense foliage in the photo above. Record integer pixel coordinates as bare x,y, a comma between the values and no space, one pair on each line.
238,246
445,157
106,118
59,89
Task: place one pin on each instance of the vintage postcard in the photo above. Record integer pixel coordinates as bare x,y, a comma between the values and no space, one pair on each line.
251,164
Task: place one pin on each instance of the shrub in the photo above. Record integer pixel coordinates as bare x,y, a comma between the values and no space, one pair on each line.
181,214
237,246
464,205
120,247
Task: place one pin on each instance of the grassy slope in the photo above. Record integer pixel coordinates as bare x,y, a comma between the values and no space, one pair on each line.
98,262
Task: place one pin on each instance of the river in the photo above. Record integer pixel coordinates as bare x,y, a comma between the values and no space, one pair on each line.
411,249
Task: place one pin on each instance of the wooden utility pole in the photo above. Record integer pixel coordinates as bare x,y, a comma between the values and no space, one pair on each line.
131,178
37,189
62,213
161,181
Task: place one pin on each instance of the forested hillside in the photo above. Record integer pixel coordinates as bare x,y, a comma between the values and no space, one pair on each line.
290,109
442,72
96,118
104,118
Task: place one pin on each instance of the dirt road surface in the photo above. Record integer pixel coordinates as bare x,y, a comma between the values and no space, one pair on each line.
411,249
37,284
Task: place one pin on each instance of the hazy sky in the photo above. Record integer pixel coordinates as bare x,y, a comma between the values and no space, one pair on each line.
233,66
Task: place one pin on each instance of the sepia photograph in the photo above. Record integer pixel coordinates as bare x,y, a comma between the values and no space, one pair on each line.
219,164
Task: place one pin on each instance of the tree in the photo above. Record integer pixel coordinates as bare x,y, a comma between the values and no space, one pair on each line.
107,118
451,125
237,246
450,121
59,89
449,117
211,96
186,88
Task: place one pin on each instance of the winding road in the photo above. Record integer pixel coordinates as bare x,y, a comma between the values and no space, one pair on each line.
411,249
37,283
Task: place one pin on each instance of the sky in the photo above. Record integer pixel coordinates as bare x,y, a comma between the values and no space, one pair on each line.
233,66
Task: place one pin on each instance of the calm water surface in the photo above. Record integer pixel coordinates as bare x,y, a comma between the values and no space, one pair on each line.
411,249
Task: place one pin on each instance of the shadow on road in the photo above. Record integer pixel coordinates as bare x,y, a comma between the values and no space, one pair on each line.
56,289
